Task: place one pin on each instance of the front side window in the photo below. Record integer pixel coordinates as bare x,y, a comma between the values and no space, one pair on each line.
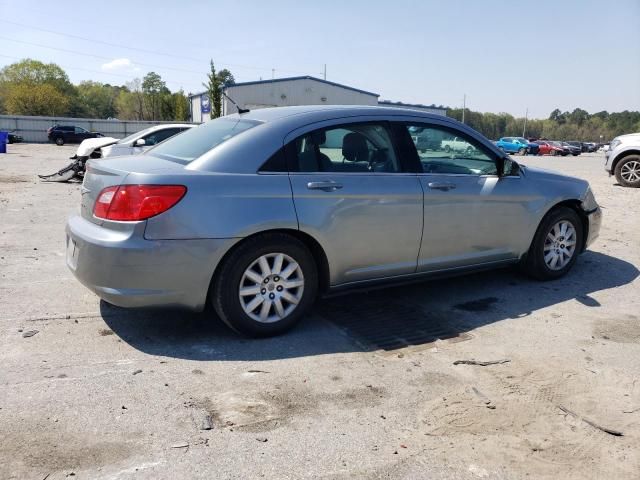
353,148
199,140
80,130
446,152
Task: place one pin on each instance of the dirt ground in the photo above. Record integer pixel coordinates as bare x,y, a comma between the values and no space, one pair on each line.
91,391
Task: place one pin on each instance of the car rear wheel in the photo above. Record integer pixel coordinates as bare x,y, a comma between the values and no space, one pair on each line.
265,285
59,141
627,171
555,246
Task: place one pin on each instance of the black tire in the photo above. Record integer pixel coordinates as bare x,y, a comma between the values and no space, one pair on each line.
447,148
533,263
59,141
224,294
619,171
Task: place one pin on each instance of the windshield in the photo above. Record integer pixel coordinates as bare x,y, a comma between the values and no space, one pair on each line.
131,137
522,140
197,141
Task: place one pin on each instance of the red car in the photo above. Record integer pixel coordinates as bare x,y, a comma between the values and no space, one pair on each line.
547,148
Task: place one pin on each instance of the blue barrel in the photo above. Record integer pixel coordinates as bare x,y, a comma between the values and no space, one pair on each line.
4,138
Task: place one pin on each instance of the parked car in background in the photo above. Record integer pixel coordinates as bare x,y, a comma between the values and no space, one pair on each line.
423,141
517,145
589,147
564,149
61,134
132,145
455,144
14,138
575,148
257,213
548,148
623,159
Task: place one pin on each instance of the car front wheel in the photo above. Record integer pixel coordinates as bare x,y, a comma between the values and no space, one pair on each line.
265,285
522,151
59,141
627,171
555,246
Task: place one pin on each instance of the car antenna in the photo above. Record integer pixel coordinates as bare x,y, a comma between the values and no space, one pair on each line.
240,110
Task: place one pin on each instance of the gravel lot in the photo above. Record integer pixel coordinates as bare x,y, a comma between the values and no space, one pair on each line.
102,392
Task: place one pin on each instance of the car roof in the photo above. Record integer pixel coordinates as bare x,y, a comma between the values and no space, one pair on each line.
316,112
277,125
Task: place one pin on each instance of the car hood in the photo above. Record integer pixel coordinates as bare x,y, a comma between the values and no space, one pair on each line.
541,174
87,146
629,136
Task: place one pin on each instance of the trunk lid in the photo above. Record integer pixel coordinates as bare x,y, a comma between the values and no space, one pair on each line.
103,173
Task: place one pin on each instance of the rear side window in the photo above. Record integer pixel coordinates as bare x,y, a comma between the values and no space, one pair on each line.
352,148
199,140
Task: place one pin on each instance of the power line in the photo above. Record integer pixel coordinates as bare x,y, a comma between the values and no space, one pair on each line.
154,52
102,57
101,41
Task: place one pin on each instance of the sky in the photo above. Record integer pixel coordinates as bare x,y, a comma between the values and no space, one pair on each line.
504,56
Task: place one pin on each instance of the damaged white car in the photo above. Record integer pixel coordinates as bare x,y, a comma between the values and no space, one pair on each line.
103,147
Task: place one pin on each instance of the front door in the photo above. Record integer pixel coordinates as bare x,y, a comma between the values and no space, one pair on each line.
352,195
472,216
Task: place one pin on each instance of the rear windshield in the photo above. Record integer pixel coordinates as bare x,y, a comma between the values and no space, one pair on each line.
197,141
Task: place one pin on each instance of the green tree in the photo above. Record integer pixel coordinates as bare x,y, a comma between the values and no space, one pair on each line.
153,88
38,99
216,81
97,100
180,106
17,78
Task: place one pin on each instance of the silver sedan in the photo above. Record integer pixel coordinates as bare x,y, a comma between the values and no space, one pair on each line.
258,213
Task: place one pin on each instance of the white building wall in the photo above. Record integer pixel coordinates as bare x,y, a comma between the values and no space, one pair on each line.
196,112
293,92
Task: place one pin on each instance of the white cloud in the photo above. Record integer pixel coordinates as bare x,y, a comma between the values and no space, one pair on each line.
119,64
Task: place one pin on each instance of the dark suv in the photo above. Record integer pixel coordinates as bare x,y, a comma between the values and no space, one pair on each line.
61,134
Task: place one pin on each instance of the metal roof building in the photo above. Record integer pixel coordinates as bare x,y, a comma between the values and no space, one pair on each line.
282,92
291,91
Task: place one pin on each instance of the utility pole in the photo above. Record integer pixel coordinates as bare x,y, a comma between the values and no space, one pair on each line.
524,129
325,71
464,105
273,73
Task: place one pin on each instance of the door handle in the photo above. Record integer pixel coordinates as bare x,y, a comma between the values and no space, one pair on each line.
328,186
441,186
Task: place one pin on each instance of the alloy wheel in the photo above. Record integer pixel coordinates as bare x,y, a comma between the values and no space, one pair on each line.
630,171
271,287
560,245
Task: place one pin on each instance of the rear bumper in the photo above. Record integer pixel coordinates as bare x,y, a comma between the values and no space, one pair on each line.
595,221
125,269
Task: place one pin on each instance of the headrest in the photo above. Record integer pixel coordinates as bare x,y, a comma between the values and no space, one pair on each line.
354,147
319,138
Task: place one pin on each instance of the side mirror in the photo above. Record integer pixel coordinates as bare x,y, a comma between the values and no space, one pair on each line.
139,143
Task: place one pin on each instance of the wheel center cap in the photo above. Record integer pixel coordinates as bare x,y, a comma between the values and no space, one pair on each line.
271,287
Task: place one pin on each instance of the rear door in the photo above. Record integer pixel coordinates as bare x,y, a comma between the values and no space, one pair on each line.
471,215
352,194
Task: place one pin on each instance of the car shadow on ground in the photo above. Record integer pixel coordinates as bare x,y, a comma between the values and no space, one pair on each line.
384,319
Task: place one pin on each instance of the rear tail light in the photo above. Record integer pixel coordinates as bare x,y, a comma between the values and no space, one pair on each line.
136,202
